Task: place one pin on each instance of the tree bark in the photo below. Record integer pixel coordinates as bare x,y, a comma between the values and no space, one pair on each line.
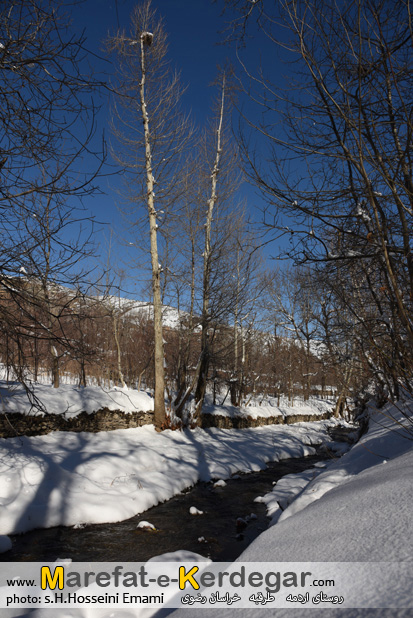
205,356
159,395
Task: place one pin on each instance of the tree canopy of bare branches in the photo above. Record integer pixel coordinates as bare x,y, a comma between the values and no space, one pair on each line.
338,137
47,162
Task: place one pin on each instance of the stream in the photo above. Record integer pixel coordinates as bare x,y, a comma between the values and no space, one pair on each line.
215,534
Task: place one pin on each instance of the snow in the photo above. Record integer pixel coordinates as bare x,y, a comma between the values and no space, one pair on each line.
72,479
146,525
269,408
287,488
194,511
181,555
69,400
220,483
357,509
68,478
372,479
171,317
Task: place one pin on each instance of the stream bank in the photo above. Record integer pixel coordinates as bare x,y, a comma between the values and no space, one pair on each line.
215,534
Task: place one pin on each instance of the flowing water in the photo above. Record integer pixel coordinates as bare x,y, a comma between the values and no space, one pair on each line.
215,534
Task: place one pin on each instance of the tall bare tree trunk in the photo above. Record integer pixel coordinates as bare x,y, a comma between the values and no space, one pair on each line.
49,303
205,356
152,134
159,403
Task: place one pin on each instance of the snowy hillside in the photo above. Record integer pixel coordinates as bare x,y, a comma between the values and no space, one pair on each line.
171,317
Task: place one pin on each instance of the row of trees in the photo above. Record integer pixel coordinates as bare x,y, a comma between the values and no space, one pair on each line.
110,341
152,138
349,203
338,167
338,135
49,121
187,180
48,164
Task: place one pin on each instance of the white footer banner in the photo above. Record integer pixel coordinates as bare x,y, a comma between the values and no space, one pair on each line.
203,585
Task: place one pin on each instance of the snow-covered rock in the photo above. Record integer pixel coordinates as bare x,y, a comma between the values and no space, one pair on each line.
145,525
194,511
220,483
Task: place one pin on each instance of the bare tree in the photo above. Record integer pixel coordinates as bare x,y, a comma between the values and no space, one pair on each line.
186,274
295,308
47,118
220,161
151,134
346,116
45,107
248,286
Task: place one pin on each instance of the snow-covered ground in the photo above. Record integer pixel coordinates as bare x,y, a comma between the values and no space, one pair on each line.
356,510
72,478
268,406
69,400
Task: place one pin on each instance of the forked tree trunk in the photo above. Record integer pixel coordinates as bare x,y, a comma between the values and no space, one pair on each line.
205,352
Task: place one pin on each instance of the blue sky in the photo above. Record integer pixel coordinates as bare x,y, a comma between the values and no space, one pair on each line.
195,34
192,27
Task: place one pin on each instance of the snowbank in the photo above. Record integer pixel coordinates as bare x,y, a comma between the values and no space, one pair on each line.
69,400
269,407
357,510
67,478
